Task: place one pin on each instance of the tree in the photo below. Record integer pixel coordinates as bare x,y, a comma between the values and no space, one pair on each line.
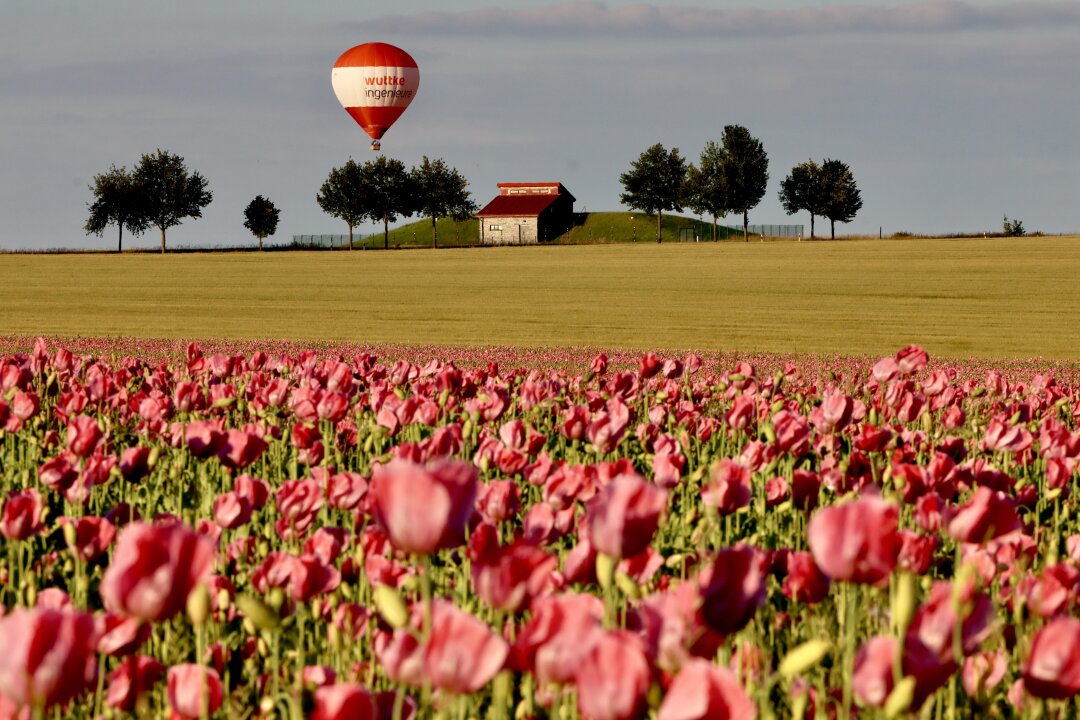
389,192
655,183
803,190
261,218
440,191
705,191
117,200
343,195
843,199
744,168
169,192
1013,228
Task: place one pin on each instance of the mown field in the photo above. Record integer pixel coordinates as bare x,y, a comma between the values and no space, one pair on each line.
990,298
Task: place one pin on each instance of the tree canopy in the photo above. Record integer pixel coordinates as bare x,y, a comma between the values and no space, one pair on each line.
706,193
389,191
655,183
343,195
440,191
261,218
827,189
117,201
744,168
843,199
169,192
802,190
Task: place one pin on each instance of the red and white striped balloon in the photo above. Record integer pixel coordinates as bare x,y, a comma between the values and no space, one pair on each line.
375,82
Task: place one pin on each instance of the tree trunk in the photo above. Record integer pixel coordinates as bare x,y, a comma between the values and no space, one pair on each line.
659,215
811,226
832,229
746,226
350,237
714,228
260,243
385,232
162,240
120,240
434,233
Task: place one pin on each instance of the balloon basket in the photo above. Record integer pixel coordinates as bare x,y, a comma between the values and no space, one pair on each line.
376,145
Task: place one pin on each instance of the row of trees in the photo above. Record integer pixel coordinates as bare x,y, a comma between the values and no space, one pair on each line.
159,192
732,177
381,190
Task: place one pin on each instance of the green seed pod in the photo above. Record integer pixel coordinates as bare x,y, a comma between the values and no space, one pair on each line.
627,585
805,656
904,601
391,606
605,570
223,599
261,615
799,704
71,536
198,605
152,458
900,698
276,598
333,637
31,595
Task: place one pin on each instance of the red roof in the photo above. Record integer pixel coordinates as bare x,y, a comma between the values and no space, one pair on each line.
517,205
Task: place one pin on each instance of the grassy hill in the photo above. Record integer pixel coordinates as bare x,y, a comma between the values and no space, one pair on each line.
598,228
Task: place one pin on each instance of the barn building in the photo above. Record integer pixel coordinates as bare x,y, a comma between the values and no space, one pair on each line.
526,214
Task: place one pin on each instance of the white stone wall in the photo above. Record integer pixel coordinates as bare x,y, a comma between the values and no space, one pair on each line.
508,231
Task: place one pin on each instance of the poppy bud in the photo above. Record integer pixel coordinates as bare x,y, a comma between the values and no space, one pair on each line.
198,605
900,698
262,617
605,570
391,606
804,657
904,600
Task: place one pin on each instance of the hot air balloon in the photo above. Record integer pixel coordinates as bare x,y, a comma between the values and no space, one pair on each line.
375,82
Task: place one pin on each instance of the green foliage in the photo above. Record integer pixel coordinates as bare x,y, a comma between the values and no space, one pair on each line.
706,193
389,192
844,200
744,168
827,189
440,191
169,192
344,195
117,201
261,218
655,183
1013,228
801,190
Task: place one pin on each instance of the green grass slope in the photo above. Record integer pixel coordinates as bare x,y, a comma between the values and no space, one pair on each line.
597,228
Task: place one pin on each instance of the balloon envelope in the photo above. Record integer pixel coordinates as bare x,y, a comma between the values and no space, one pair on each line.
375,82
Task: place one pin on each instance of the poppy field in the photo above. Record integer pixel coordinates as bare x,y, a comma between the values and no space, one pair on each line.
258,530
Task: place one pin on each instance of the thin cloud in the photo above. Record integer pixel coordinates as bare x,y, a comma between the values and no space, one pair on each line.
598,18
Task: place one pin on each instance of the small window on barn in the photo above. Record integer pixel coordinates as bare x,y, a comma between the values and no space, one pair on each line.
493,226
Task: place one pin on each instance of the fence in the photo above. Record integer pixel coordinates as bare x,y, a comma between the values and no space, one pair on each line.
326,241
771,230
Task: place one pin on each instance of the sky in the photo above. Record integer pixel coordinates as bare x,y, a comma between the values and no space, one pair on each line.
950,114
